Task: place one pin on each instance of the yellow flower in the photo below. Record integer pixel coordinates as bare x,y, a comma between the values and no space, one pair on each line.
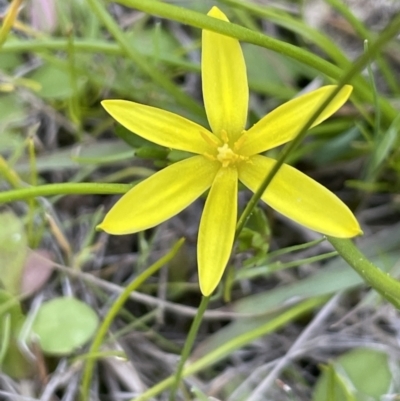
223,156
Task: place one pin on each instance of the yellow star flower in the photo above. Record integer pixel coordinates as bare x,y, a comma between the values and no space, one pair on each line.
223,156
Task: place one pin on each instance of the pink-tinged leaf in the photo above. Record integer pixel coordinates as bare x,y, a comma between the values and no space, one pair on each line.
37,271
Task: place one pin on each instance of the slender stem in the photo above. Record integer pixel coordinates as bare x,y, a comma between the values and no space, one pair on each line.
114,310
45,44
68,188
87,46
189,345
380,281
33,181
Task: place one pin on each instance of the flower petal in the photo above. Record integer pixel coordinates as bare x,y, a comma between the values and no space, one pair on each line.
300,198
217,229
161,196
225,89
283,123
159,126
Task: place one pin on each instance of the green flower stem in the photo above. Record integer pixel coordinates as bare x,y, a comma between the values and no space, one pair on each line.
141,61
33,181
73,102
84,46
113,312
68,188
188,345
380,281
362,61
202,21
45,44
236,343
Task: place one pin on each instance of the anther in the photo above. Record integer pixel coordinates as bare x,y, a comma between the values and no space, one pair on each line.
210,139
210,157
239,143
224,136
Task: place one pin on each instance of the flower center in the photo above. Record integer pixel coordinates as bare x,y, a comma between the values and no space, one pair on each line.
227,156
224,153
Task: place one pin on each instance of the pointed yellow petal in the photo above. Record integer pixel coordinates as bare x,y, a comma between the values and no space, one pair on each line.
161,196
217,229
283,123
225,89
300,198
159,126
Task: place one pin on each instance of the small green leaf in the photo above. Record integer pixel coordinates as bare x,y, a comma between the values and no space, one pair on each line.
11,109
362,372
64,324
277,75
10,61
336,387
384,144
10,141
133,140
256,237
12,361
13,250
152,152
157,43
55,82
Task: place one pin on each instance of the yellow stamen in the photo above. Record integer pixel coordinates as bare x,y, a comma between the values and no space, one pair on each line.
227,156
224,136
210,157
210,139
239,143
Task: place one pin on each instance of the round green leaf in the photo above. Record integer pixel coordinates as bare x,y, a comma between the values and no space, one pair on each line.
64,324
360,374
55,83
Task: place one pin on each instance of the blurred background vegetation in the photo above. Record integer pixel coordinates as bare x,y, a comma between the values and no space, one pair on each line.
293,321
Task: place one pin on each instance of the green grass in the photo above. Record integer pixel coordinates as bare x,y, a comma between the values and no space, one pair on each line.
297,316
